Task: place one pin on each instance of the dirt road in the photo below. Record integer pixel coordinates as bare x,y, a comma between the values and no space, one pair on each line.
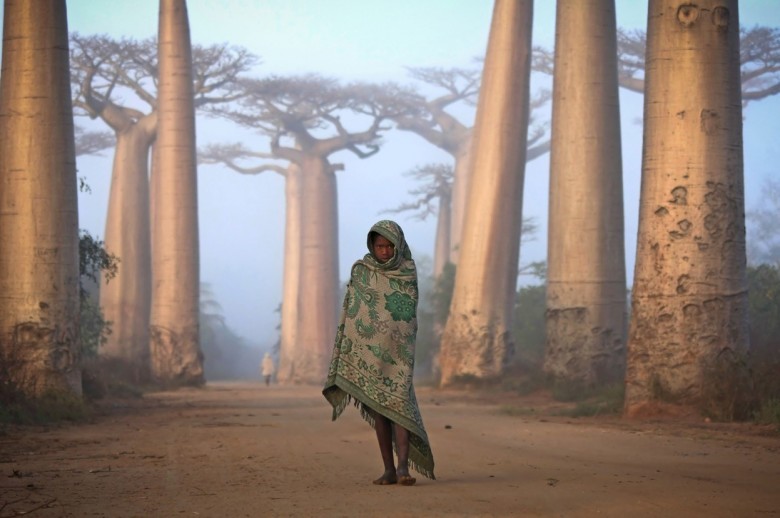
241,449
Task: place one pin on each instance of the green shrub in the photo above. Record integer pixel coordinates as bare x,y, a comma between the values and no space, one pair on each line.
529,329
768,412
726,387
53,406
602,400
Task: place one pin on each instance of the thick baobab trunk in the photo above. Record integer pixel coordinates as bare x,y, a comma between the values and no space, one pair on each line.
442,247
290,322
476,340
460,186
318,293
175,351
125,300
586,273
689,312
39,257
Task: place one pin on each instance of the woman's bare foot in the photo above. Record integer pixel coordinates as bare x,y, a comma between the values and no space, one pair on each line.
387,478
405,479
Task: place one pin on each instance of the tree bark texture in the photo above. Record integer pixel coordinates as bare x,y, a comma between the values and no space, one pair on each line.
586,273
125,300
39,261
290,322
318,290
476,340
175,351
689,301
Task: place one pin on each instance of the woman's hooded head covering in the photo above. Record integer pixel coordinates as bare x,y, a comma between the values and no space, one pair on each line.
391,231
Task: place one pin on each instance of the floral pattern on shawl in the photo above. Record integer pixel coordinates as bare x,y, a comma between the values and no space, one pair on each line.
373,354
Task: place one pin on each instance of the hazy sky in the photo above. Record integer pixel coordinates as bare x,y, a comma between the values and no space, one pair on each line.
241,217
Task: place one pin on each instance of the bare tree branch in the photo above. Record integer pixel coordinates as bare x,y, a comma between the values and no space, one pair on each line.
444,130
320,115
231,154
760,62
123,73
759,59
435,182
92,142
431,120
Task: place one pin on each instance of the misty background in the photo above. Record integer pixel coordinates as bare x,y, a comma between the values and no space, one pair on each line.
242,217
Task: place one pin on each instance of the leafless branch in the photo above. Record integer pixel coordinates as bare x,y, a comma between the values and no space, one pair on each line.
230,155
435,183
92,142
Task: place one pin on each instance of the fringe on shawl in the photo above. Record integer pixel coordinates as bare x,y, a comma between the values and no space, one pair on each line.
340,398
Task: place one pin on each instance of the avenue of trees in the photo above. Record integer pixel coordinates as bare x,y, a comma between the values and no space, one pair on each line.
685,328
103,73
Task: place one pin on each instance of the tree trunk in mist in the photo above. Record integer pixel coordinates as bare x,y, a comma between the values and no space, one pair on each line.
586,273
154,196
460,185
125,300
39,254
290,322
442,247
689,301
476,340
318,294
175,351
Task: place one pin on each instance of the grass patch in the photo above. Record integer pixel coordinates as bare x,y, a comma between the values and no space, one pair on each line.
768,412
472,382
605,400
522,386
516,411
515,378
53,406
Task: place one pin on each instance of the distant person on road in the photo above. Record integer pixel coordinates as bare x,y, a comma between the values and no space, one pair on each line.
373,356
267,368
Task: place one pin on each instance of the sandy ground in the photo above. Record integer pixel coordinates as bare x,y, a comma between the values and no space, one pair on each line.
241,449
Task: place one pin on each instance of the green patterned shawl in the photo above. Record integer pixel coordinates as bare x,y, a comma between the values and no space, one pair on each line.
373,356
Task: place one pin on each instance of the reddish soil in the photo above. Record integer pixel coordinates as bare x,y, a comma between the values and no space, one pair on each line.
243,449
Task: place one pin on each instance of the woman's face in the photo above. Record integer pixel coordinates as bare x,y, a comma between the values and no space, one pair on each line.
383,249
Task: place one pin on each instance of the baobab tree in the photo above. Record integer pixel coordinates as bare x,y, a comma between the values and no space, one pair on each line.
125,300
586,274
476,340
39,255
104,71
760,77
175,352
437,124
436,121
689,302
308,119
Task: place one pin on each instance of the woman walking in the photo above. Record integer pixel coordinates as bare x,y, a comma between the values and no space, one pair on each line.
373,355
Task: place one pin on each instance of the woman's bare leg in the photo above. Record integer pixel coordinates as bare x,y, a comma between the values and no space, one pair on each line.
384,436
402,445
